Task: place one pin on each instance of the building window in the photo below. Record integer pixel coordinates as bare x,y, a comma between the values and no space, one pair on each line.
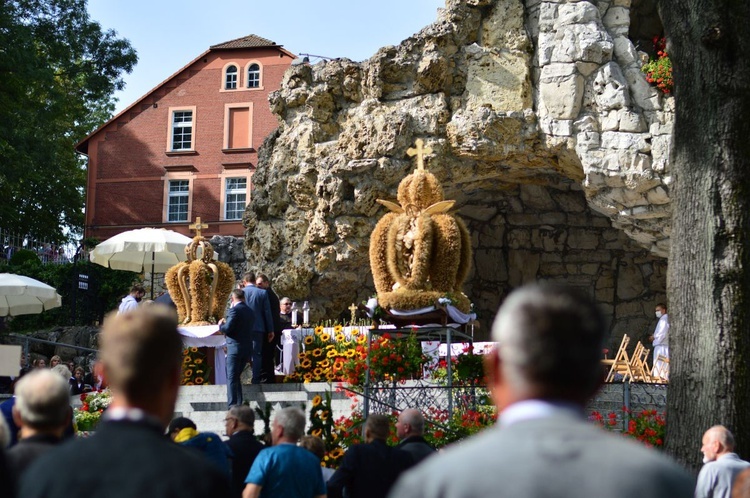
253,76
178,200
182,130
235,194
230,79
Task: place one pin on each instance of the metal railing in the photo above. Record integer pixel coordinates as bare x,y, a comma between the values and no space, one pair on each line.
47,250
25,340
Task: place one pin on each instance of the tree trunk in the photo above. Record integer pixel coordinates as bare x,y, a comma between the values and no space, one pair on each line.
709,264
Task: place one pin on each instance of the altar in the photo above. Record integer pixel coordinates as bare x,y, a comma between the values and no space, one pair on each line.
207,336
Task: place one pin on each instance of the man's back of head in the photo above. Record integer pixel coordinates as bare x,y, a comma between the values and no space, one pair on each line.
249,278
550,342
142,354
245,416
377,427
292,421
43,401
410,423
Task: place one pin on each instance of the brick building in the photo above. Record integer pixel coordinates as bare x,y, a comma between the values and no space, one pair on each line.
189,147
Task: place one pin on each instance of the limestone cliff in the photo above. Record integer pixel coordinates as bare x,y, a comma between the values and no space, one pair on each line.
543,129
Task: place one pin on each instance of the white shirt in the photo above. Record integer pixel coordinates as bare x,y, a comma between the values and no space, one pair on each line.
534,409
128,304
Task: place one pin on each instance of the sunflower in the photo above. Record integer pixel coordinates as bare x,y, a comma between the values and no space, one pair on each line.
302,355
331,354
350,353
193,350
316,432
187,359
338,328
354,332
307,377
325,337
318,330
325,364
317,352
361,339
317,372
336,453
187,373
316,400
340,337
189,384
330,377
306,363
199,380
198,361
309,339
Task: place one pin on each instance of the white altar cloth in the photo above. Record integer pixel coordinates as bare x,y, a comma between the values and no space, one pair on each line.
202,336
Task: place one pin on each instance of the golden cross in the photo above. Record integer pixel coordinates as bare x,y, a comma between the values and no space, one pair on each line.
353,309
420,151
198,226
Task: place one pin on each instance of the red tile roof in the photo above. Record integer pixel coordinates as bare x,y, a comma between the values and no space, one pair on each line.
249,41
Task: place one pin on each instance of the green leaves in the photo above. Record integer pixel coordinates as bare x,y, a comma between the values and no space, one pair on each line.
58,71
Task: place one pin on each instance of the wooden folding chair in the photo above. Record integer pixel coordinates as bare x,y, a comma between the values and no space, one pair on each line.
639,364
660,371
620,363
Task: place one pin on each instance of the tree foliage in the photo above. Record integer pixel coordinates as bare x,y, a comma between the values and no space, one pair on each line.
58,72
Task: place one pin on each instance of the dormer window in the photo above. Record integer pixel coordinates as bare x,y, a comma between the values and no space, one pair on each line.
253,76
230,78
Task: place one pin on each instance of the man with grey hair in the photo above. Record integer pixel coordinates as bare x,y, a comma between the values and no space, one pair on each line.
285,469
42,411
410,430
129,456
545,368
721,464
239,423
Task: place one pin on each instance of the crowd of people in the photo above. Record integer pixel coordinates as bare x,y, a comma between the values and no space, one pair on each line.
544,370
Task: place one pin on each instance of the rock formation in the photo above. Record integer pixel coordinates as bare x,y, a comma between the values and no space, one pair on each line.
545,132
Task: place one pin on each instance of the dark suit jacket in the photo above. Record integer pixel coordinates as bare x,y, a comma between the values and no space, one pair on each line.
257,299
245,448
239,322
23,454
273,301
123,460
368,471
417,448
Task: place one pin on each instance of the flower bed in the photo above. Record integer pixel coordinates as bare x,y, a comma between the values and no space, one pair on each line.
93,405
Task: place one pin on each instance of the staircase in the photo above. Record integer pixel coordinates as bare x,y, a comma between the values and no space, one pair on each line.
207,405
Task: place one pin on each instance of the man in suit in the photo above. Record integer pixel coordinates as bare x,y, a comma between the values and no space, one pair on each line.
238,328
240,422
129,456
263,328
545,368
369,470
270,349
43,412
410,430
722,465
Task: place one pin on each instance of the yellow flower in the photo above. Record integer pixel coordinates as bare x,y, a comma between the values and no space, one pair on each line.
187,359
324,415
187,373
199,380
325,337
306,363
317,352
193,350
302,355
316,400
318,330
330,377
316,432
331,347
354,332
338,328
309,339
325,364
362,339
307,377
331,354
350,353
189,384
336,453
198,361
340,337
317,372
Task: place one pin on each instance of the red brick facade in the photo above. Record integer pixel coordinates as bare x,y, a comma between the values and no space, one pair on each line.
133,158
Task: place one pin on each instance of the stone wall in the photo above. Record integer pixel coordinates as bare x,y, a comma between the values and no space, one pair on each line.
543,129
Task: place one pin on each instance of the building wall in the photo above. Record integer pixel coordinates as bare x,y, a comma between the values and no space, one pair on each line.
130,161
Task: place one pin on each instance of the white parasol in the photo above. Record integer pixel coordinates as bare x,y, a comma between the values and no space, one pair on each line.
144,249
21,295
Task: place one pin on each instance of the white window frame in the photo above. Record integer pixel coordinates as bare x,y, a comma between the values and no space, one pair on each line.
259,86
174,126
226,192
168,195
231,80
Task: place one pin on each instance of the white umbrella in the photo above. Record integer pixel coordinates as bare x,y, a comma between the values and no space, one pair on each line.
21,295
144,249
